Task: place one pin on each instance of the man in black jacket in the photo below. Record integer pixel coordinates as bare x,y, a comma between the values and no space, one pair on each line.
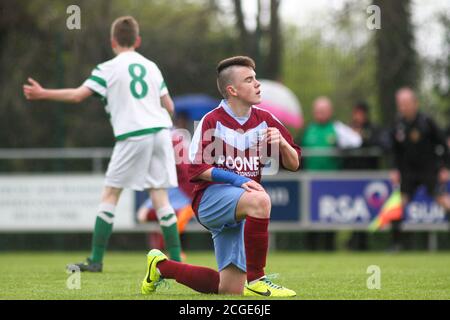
421,155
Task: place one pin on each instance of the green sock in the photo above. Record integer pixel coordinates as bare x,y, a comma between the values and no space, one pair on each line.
172,241
102,231
168,223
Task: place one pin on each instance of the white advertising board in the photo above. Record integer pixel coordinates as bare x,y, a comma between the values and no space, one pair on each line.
57,203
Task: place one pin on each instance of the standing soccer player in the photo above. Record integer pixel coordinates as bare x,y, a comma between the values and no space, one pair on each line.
229,149
139,105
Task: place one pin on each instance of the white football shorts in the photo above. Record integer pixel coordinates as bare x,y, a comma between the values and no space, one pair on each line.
140,163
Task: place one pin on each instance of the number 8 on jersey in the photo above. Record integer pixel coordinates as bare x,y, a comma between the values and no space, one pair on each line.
138,79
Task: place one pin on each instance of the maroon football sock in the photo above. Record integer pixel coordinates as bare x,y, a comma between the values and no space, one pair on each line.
201,279
256,239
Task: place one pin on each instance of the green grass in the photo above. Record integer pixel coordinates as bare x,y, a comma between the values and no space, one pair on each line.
312,275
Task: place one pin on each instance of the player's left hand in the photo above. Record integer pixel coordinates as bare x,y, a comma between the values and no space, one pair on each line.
443,175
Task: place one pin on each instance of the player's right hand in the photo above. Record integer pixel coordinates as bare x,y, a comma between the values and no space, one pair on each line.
33,90
252,186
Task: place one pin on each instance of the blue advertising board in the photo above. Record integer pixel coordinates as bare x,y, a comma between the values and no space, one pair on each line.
339,201
285,198
424,210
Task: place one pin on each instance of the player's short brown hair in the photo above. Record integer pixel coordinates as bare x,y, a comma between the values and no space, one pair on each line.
224,77
125,30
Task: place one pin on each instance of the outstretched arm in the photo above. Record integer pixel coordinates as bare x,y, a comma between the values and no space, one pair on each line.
34,91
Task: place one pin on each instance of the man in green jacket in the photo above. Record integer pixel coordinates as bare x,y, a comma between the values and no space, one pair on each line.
325,134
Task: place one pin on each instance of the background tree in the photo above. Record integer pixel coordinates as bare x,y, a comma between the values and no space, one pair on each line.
273,65
438,96
396,56
264,42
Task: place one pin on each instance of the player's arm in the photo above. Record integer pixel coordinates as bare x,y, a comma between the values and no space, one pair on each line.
167,103
289,156
34,91
223,176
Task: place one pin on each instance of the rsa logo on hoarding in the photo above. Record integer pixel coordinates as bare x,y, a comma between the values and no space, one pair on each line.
357,205
376,194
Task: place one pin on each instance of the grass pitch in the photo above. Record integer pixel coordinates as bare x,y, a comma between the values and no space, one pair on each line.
313,276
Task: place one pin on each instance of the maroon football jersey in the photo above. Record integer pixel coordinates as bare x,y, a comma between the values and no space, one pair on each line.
235,144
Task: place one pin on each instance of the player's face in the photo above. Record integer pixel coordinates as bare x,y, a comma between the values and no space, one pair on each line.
247,88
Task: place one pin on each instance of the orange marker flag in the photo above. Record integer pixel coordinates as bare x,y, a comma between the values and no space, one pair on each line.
392,210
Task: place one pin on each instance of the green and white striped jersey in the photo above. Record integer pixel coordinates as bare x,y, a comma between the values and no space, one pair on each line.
131,87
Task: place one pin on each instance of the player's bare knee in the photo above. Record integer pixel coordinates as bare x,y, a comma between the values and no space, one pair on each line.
260,205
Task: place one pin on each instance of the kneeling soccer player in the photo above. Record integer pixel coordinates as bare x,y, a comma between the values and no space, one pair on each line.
230,147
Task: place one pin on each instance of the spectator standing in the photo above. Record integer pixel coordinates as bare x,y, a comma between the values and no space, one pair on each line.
370,135
421,156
